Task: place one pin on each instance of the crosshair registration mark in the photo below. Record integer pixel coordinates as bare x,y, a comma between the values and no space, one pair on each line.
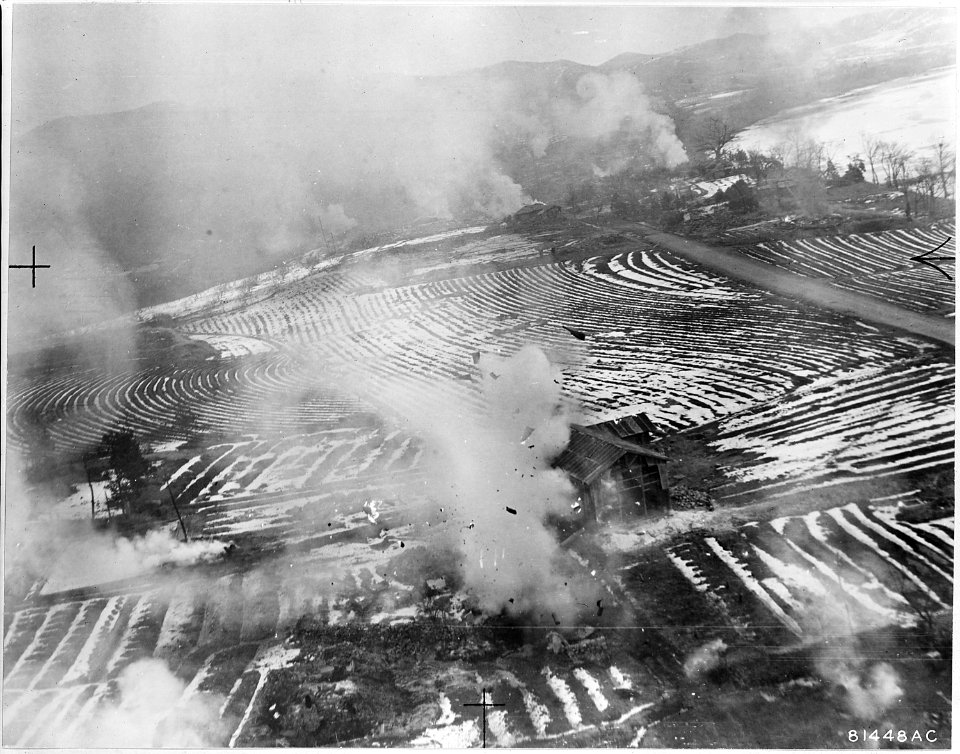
33,267
484,703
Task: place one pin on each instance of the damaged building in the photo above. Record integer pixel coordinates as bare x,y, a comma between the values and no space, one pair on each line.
616,474
535,213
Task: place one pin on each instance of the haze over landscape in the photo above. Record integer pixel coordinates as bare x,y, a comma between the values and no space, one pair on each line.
224,164
595,360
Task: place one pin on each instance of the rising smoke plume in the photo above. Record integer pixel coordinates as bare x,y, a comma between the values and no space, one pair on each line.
90,557
148,710
488,468
69,553
607,103
142,206
870,688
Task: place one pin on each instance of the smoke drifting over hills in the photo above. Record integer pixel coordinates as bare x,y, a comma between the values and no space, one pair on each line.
168,199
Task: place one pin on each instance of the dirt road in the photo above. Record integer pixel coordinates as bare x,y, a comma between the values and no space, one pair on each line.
813,290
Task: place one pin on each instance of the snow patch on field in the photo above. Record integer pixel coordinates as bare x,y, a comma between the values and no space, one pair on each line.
400,615
752,584
274,657
593,688
917,111
561,690
463,735
620,681
497,722
688,570
800,579
267,659
106,622
166,447
77,505
173,629
233,346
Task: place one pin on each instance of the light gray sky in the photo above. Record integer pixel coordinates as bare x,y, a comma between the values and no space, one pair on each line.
87,58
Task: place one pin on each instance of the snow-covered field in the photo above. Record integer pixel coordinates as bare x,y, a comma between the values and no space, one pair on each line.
77,504
865,423
826,573
878,264
660,335
650,332
916,111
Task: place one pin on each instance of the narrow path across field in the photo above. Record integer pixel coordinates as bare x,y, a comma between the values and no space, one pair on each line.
819,292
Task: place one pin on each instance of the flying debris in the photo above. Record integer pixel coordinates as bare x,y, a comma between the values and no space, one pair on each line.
371,508
511,510
494,375
575,333
526,434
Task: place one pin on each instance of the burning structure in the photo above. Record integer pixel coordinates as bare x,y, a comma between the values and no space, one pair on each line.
535,213
616,475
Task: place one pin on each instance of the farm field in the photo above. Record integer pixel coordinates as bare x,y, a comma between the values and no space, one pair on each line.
829,572
877,264
654,327
855,425
915,110
64,663
300,444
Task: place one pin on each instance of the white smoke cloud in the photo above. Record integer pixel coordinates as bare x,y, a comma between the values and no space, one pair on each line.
149,711
335,220
870,689
704,659
489,469
227,190
87,557
606,103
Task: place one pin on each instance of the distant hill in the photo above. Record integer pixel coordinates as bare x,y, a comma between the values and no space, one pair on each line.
165,200
764,74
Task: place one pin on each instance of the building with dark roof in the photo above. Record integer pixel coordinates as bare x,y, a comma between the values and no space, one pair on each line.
617,478
536,212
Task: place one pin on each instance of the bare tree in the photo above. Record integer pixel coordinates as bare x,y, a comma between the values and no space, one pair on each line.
925,180
714,137
946,160
778,154
761,164
872,148
794,149
894,159
805,153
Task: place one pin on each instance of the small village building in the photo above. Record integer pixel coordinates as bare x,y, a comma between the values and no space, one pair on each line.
536,213
617,477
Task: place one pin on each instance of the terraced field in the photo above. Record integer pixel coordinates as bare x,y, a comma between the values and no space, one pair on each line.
866,423
877,264
62,658
251,465
826,573
300,444
540,707
218,632
80,406
660,336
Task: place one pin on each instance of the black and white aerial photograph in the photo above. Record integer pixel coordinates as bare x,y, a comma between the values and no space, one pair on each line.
474,376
